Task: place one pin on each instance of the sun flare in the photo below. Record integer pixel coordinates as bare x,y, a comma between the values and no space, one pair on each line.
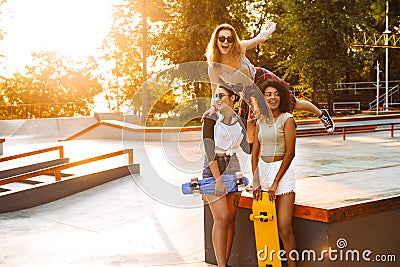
72,27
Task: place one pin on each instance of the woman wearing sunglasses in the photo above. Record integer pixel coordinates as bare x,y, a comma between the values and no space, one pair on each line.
223,134
226,56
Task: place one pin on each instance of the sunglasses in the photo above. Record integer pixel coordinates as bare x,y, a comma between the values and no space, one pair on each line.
219,96
229,39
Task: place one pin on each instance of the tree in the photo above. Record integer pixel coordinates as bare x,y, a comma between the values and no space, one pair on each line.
121,60
314,34
378,10
185,33
53,79
2,32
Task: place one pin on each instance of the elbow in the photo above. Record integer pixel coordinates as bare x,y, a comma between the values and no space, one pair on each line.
290,155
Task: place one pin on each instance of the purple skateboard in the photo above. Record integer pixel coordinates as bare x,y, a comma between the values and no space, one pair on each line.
207,185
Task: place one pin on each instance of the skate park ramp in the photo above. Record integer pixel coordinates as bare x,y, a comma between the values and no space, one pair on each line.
114,129
119,224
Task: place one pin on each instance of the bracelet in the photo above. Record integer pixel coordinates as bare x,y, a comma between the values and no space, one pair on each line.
213,107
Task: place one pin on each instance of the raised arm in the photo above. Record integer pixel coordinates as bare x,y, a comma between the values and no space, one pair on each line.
260,38
212,74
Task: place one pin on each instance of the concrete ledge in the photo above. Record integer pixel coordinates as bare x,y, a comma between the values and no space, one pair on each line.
351,119
339,213
39,195
32,167
364,226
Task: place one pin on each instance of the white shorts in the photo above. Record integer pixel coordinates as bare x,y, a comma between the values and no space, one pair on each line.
268,172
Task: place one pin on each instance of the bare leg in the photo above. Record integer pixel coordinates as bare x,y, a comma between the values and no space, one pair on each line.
232,202
323,115
224,212
307,106
285,204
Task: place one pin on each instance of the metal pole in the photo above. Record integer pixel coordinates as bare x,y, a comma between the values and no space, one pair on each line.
144,61
387,32
377,87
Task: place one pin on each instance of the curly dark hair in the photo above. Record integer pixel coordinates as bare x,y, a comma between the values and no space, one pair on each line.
283,89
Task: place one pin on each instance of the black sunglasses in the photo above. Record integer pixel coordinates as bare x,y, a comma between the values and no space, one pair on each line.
220,95
222,39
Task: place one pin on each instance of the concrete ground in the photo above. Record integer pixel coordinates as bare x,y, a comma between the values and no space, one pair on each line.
144,220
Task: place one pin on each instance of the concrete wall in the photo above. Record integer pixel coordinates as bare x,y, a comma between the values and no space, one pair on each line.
62,128
378,233
55,128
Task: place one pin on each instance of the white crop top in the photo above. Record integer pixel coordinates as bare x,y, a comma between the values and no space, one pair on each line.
227,138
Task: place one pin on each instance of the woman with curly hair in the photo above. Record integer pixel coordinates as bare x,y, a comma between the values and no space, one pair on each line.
271,158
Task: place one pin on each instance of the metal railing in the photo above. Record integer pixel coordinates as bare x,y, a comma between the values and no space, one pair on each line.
354,129
57,169
43,110
382,97
346,106
31,153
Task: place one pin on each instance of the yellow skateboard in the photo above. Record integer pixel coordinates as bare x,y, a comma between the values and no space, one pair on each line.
266,232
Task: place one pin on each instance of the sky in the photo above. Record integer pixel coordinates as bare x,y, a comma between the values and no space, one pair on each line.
73,27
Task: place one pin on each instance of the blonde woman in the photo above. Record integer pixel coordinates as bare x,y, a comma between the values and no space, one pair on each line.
226,57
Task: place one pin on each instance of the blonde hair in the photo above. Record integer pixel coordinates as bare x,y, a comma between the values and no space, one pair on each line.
212,53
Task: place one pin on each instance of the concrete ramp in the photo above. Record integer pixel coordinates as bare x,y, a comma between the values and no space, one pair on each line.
112,129
9,127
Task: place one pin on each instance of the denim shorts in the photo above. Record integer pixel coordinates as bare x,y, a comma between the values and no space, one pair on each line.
226,165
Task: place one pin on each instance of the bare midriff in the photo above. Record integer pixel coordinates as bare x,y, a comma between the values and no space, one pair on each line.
271,158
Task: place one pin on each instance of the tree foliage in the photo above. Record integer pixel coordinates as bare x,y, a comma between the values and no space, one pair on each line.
310,49
314,36
122,50
52,79
2,31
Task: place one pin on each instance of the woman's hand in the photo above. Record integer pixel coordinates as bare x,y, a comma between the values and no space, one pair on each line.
272,190
211,111
257,193
270,28
220,188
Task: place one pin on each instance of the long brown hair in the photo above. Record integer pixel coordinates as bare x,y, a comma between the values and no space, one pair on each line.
212,53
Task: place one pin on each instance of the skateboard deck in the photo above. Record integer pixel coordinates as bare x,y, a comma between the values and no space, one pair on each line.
266,232
233,183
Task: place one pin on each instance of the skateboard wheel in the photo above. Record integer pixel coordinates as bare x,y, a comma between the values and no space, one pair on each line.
252,217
